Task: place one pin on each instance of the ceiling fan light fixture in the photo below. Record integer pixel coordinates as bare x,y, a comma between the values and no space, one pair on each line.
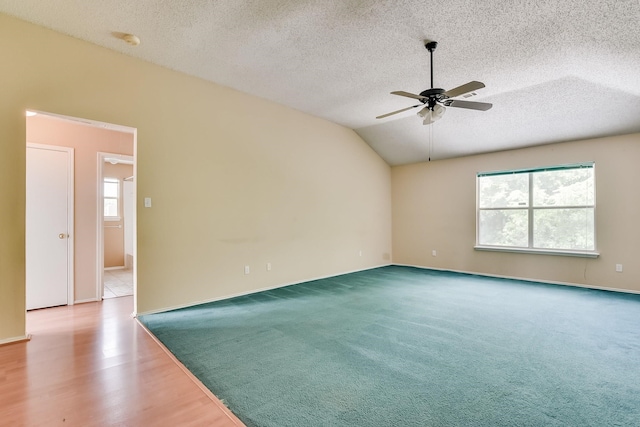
431,115
424,113
438,112
429,118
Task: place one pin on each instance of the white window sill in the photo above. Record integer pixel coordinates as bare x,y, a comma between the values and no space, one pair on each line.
560,252
112,218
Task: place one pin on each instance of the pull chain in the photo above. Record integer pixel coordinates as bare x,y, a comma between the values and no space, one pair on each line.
430,140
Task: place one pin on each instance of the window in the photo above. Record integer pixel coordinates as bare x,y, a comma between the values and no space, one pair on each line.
111,195
542,210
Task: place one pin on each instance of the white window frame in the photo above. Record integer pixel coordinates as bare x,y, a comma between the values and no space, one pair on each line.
530,210
117,198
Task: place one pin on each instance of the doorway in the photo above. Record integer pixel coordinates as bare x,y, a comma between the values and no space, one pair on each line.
116,214
85,138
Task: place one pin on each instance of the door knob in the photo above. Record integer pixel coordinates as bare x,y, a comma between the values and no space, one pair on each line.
61,236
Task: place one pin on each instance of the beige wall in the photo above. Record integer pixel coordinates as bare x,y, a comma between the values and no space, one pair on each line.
434,209
86,141
252,182
113,236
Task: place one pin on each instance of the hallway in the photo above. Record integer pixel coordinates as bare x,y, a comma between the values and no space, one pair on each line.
118,283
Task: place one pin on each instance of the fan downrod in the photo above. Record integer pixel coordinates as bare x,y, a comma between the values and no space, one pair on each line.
434,95
431,46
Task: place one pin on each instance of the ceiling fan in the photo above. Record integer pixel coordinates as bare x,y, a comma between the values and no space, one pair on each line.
435,100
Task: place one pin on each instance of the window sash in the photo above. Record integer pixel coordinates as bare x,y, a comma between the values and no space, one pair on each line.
586,165
531,209
111,182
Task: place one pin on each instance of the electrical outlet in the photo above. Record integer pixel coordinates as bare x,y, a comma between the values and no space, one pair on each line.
619,268
247,270
360,253
434,253
268,266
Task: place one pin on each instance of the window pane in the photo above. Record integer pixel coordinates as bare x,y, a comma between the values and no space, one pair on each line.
504,191
563,229
110,189
573,187
110,207
504,228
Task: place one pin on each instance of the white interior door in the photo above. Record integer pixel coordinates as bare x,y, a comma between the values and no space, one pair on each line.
48,226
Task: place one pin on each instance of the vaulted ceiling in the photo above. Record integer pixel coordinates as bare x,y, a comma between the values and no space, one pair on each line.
554,70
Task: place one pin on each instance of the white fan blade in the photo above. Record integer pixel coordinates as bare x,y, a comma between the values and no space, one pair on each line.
408,95
461,90
482,106
396,112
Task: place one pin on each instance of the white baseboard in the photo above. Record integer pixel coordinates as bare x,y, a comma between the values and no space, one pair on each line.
15,340
115,268
255,291
526,279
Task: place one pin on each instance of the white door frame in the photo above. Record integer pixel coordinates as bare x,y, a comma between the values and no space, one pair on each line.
122,158
70,212
100,258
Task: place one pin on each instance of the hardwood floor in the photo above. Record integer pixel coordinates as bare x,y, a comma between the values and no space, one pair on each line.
93,365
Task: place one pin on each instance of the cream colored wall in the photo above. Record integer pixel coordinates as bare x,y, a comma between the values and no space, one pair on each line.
12,213
434,208
252,181
86,141
113,236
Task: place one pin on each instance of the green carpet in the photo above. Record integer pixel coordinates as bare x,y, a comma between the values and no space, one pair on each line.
399,346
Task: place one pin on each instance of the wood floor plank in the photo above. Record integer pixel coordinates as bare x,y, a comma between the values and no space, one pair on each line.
93,365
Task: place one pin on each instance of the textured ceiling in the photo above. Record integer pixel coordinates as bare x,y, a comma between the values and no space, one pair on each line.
554,70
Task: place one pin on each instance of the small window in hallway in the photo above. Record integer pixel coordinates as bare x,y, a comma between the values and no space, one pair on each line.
111,196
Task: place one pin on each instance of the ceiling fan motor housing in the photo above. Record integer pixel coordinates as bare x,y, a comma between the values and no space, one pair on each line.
431,96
